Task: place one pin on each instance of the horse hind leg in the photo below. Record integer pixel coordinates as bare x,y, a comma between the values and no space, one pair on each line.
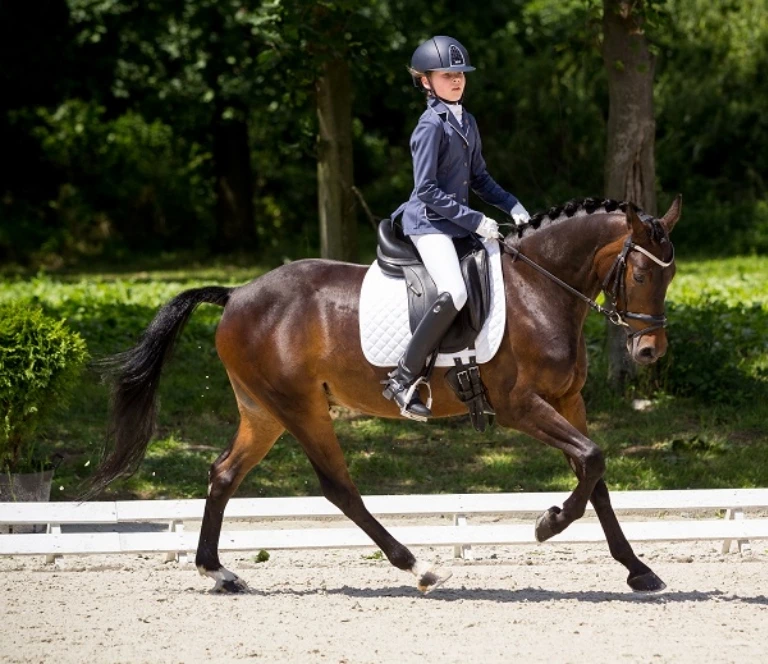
255,436
306,417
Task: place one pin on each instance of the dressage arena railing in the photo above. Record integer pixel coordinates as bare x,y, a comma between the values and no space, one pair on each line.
145,517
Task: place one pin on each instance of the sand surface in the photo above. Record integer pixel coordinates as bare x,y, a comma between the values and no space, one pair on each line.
547,603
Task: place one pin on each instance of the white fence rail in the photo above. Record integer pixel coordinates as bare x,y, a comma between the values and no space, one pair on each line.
734,528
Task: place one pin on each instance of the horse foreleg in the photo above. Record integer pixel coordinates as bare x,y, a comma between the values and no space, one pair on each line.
255,436
640,578
539,419
307,418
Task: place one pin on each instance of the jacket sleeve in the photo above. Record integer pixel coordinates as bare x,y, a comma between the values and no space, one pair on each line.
483,184
425,148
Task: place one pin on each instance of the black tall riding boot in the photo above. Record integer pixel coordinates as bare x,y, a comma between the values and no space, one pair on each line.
426,339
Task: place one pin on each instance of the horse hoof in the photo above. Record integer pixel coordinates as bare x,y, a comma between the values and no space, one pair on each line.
234,586
544,529
646,583
226,582
430,578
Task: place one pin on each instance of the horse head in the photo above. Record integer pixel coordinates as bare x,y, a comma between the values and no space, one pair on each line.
638,281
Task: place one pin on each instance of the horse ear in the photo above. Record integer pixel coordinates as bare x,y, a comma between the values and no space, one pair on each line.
673,214
639,231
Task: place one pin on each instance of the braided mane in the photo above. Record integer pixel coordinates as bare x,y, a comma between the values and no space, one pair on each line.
590,206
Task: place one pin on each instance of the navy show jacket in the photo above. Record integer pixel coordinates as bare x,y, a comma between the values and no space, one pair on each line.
447,161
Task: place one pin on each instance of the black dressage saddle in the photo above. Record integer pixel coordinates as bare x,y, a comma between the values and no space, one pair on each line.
397,257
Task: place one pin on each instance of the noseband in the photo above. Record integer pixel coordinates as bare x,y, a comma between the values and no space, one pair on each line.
614,287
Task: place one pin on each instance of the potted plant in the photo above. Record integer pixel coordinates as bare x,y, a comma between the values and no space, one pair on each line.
40,363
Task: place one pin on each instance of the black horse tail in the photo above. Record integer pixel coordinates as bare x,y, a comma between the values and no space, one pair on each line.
136,376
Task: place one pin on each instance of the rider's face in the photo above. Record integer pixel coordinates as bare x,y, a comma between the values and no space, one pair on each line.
446,84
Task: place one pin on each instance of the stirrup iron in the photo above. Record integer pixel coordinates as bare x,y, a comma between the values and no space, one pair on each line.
421,380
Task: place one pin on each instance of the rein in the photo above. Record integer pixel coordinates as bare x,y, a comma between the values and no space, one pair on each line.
615,280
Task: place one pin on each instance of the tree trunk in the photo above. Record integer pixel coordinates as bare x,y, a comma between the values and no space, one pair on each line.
336,202
234,186
630,170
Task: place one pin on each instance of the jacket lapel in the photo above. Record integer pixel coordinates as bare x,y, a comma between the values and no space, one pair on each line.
444,112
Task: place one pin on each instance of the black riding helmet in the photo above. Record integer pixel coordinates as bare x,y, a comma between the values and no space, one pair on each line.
439,53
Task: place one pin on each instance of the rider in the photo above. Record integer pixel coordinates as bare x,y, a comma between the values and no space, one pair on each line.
447,161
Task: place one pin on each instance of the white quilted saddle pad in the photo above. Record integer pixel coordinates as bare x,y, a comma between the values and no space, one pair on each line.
384,328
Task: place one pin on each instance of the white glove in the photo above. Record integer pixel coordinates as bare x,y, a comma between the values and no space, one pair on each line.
488,228
519,214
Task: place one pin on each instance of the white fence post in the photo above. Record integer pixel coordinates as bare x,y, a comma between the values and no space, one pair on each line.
53,529
742,545
462,550
176,526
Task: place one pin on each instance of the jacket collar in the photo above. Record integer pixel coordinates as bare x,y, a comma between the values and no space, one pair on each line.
447,116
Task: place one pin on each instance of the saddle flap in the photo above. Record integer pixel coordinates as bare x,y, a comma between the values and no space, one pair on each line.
474,267
422,293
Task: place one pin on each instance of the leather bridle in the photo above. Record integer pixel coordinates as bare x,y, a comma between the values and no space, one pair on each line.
614,287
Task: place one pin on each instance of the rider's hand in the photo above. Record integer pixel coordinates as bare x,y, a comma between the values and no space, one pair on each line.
519,214
488,228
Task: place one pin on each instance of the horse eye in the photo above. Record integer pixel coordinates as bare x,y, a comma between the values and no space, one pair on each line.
639,278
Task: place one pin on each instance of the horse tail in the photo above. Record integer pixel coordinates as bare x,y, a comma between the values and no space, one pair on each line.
136,376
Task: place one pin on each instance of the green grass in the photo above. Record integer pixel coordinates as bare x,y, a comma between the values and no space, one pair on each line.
682,442
742,280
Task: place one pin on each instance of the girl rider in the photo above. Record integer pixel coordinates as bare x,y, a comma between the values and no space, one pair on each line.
447,161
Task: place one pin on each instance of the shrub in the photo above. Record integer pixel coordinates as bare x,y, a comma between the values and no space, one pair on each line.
717,350
40,363
715,346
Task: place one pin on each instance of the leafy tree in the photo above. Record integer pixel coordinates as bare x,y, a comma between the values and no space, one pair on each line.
713,129
154,126
196,65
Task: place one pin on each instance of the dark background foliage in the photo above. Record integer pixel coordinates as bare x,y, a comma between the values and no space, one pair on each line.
110,112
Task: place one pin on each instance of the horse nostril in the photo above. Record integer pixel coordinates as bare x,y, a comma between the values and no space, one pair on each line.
648,353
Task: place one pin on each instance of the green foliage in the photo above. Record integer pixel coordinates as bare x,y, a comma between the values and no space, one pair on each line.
689,441
718,336
117,194
712,133
718,332
714,352
40,364
110,145
261,557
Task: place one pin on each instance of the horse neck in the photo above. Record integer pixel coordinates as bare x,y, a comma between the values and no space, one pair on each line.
568,248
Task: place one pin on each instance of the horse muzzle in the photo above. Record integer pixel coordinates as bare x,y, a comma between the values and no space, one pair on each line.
647,348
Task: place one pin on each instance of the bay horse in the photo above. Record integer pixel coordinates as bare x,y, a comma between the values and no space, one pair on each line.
290,344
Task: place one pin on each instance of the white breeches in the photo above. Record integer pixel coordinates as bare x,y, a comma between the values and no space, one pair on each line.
439,257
